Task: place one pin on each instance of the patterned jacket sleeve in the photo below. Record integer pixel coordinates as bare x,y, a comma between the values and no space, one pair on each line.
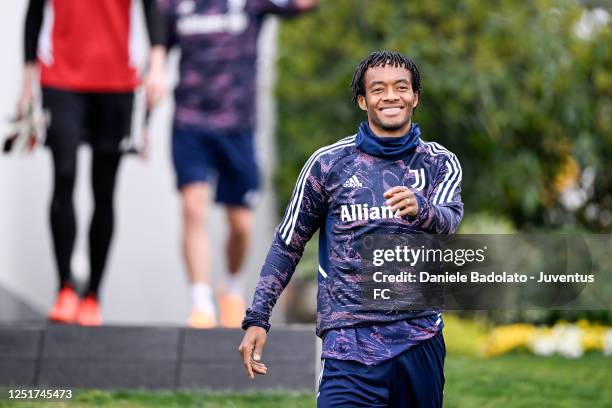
302,218
442,211
280,7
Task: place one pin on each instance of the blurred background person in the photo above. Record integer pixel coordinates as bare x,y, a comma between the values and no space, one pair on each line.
88,82
213,129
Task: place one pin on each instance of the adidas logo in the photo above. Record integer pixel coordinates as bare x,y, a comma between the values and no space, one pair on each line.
352,182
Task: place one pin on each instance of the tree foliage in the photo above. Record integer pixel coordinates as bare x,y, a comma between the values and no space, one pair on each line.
515,89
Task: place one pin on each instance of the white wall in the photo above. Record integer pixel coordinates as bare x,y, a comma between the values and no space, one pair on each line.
145,280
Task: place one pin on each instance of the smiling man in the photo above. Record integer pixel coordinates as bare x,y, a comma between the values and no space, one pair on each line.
383,180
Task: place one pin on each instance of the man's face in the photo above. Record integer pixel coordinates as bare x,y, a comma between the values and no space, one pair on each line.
389,100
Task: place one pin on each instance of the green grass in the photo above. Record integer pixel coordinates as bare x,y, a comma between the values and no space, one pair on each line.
517,380
522,380
137,399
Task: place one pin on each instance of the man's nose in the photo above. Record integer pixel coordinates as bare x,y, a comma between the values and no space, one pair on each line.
390,95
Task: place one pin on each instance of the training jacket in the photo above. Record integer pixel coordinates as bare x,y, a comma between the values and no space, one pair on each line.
216,90
340,192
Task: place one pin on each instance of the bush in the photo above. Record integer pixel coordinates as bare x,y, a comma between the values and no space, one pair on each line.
520,91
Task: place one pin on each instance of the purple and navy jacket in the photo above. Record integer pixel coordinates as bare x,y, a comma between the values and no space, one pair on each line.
333,188
218,43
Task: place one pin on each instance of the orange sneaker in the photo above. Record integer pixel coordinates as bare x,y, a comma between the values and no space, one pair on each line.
232,310
200,319
88,313
65,307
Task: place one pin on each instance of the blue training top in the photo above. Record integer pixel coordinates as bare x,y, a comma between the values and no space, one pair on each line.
218,42
340,191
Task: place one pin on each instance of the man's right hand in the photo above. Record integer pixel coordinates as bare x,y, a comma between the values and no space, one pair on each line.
155,79
251,350
26,97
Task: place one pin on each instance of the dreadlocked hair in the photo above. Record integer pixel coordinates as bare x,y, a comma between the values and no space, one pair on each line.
381,59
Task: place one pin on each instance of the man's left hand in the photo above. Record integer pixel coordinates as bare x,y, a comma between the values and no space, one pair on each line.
305,5
402,199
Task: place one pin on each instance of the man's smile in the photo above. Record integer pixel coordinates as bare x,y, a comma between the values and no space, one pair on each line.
391,110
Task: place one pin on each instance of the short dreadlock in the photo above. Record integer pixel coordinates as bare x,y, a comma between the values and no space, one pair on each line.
381,59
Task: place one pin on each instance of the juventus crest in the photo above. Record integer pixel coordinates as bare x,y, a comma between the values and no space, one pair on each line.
419,179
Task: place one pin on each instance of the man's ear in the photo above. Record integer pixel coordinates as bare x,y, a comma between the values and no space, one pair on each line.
417,98
361,101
